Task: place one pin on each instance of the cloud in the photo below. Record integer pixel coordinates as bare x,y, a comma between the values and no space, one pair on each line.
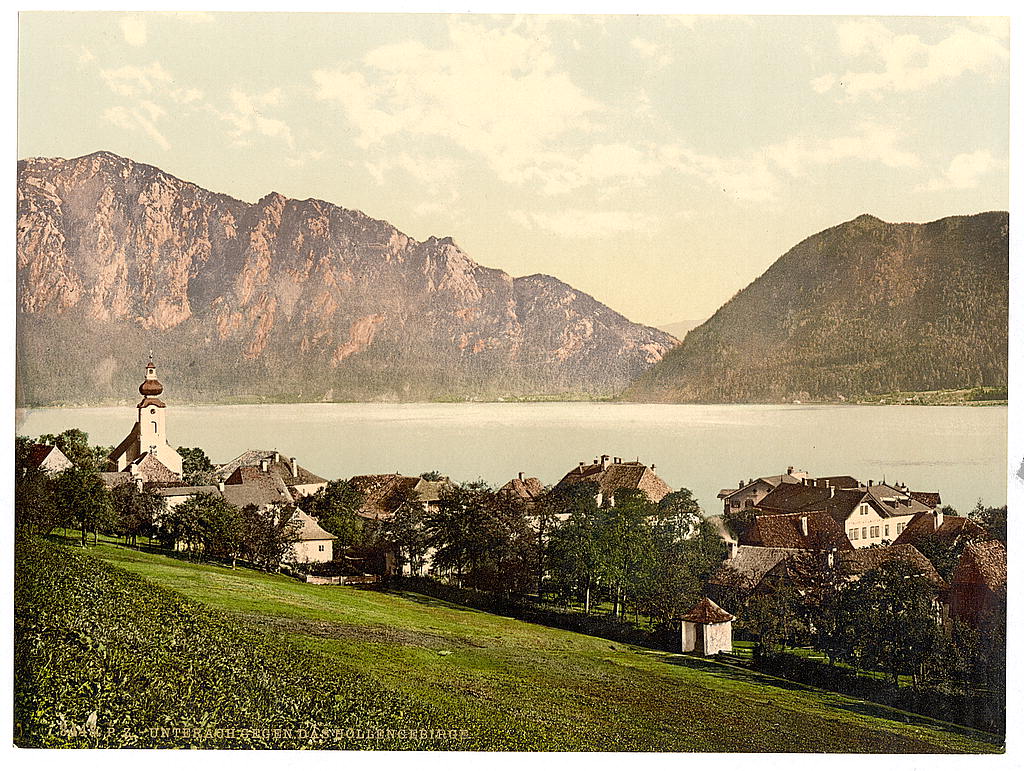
586,223
136,81
655,52
907,63
133,28
964,172
496,93
873,142
133,119
748,179
247,117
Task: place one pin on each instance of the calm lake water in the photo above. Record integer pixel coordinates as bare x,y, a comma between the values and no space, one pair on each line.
959,451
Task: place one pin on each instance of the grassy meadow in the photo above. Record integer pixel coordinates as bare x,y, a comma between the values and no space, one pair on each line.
390,659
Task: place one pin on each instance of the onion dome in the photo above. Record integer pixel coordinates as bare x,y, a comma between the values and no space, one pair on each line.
151,386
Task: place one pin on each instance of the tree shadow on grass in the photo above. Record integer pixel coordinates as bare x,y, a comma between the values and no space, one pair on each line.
831,699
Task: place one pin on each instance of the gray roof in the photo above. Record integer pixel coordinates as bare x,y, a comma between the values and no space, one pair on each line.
168,492
309,528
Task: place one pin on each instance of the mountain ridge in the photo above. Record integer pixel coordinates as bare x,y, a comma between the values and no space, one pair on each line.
283,298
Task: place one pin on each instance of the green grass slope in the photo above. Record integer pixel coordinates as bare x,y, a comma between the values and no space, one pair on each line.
513,684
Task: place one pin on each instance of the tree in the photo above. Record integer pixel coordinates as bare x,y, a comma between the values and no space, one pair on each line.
35,504
626,544
136,511
74,443
483,538
432,476
992,519
737,521
268,533
679,514
573,555
407,534
896,625
334,507
196,467
80,494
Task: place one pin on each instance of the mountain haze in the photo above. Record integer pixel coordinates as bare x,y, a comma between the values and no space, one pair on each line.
282,299
866,307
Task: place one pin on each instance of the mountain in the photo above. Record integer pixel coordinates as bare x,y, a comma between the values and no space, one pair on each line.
679,329
282,300
866,307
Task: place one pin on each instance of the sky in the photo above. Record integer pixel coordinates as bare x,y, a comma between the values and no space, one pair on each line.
658,163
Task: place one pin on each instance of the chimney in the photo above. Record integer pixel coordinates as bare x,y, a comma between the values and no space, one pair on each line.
789,470
138,484
831,491
871,483
733,548
263,465
582,464
604,461
616,460
653,468
741,483
277,457
220,485
520,476
295,467
938,518
803,525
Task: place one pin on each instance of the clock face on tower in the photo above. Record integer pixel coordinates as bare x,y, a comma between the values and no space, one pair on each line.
152,410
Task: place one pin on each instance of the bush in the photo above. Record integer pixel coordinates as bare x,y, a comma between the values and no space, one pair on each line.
985,711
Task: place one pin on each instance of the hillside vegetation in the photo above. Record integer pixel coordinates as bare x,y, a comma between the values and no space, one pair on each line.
866,307
511,684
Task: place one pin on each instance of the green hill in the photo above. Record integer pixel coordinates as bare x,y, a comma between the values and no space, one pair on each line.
866,307
242,646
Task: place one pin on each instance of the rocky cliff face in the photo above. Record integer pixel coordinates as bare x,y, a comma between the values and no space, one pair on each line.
866,307
282,299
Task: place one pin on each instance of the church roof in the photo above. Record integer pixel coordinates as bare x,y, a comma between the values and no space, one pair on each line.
126,443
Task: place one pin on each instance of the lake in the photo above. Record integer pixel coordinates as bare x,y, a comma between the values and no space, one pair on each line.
959,451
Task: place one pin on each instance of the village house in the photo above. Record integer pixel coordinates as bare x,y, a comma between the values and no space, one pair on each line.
48,459
748,494
614,474
948,529
526,489
385,494
823,513
284,470
145,453
978,586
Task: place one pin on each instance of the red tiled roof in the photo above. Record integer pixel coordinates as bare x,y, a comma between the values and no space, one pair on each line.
282,467
785,531
631,475
528,488
383,494
988,560
931,500
860,561
38,454
707,612
952,528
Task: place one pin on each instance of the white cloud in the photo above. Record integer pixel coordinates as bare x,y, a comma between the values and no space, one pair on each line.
873,142
907,63
304,157
964,172
247,118
495,93
586,223
133,28
136,81
748,179
655,52
134,120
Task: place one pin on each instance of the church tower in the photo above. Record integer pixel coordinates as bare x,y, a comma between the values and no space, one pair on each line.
149,435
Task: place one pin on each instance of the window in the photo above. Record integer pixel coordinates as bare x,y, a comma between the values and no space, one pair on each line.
863,509
321,547
863,532
886,531
153,424
749,503
735,504
899,528
874,531
853,534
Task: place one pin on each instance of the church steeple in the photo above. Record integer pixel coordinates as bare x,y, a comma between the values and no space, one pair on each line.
151,386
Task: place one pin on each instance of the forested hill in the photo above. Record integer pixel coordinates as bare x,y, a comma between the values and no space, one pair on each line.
866,307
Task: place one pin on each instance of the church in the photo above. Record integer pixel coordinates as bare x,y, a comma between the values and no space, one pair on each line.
145,452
